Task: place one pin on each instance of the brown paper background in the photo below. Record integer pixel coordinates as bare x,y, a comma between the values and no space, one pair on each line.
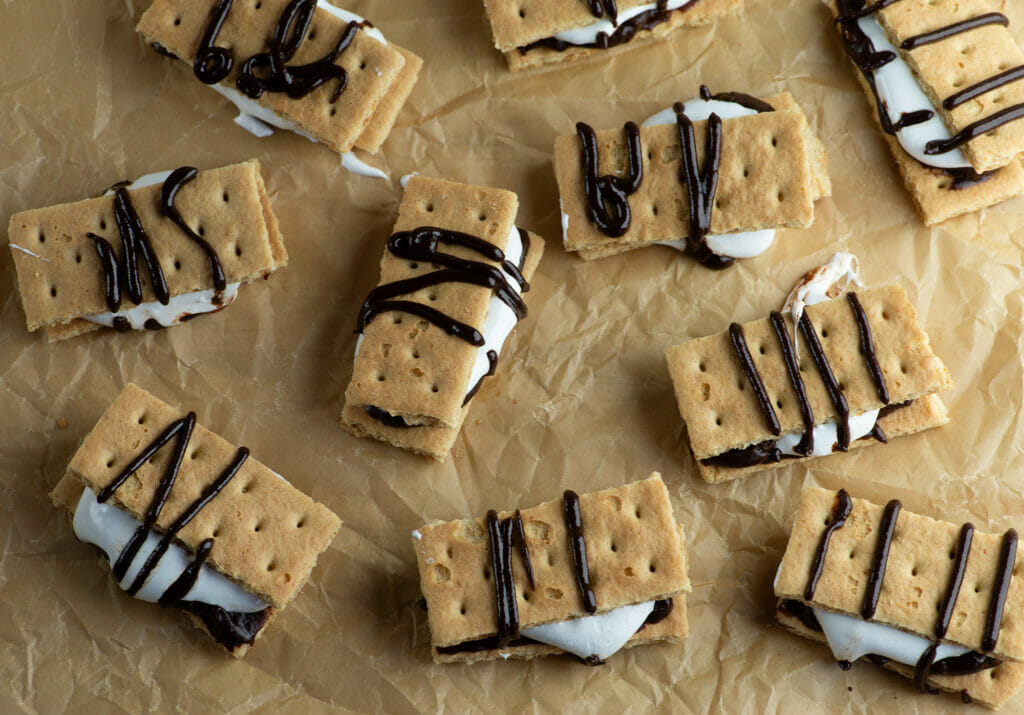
582,398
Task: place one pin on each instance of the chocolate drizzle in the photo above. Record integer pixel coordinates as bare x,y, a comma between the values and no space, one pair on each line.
524,550
1007,558
623,33
387,418
168,193
181,431
963,548
578,546
829,378
500,532
840,513
880,559
598,8
806,444
926,38
492,362
739,344
701,184
269,71
608,196
867,347
861,50
123,275
421,244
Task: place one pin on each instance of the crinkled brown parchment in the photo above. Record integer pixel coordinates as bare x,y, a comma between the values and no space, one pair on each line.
582,398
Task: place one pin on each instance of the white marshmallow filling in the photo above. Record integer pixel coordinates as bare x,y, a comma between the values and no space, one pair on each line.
180,307
111,528
900,93
498,322
588,34
599,636
745,244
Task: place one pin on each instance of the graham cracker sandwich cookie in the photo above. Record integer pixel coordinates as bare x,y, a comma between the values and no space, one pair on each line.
712,177
531,33
834,373
452,280
188,520
586,575
945,79
302,65
933,601
197,235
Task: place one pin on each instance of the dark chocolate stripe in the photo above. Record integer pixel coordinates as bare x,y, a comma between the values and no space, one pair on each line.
744,100
966,664
524,238
1007,558
578,546
492,360
623,33
500,533
184,583
385,417
923,668
212,64
111,272
524,549
909,119
986,85
806,444
867,347
599,7
135,242
168,193
880,559
956,579
739,343
608,195
840,512
982,126
827,376
926,38
701,184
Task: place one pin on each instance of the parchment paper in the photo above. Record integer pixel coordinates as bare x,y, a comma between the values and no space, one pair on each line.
582,398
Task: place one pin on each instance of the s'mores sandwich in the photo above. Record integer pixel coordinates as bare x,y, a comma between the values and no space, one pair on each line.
931,600
712,177
834,372
944,78
305,66
586,575
148,254
188,520
531,33
452,283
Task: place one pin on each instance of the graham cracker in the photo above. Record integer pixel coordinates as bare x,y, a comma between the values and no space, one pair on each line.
635,550
519,23
431,441
949,66
408,366
267,533
769,177
62,278
373,68
931,188
384,116
720,409
991,688
918,571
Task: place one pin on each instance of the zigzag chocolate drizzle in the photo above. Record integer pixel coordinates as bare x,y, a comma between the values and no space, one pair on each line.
861,50
269,71
123,275
229,629
965,664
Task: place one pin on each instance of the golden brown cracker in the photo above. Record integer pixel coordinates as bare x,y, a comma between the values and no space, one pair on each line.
635,550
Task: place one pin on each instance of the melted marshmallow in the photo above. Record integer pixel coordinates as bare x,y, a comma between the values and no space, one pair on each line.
852,638
826,436
601,635
178,307
587,34
110,528
823,283
900,93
